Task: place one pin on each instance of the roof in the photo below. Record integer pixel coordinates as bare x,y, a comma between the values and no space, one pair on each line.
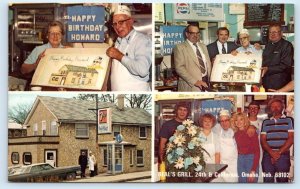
241,68
14,125
74,110
80,69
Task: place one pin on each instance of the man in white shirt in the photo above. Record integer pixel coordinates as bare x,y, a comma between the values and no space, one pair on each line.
132,54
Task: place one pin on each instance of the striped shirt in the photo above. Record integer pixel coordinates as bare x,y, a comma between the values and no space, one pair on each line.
277,131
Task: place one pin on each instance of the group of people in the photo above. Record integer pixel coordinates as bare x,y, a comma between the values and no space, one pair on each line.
194,60
255,150
88,161
131,53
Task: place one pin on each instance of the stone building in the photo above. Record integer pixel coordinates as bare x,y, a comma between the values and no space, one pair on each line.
59,129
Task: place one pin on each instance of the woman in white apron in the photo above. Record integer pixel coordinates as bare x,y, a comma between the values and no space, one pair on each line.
210,140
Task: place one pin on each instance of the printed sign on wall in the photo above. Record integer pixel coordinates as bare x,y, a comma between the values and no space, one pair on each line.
198,11
85,24
215,106
104,120
172,35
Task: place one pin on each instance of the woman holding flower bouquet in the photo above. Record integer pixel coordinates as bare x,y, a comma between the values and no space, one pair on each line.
248,149
210,140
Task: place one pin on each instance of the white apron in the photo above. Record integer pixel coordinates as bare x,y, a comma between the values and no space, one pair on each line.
229,156
122,79
210,148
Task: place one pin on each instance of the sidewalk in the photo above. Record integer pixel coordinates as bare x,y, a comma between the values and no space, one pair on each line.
117,178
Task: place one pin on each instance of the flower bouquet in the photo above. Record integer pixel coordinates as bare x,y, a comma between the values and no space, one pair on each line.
184,153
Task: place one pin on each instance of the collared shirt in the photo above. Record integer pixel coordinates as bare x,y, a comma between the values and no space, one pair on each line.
219,44
138,53
34,55
202,54
250,49
276,131
133,72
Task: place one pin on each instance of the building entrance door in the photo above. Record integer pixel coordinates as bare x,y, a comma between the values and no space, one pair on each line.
50,157
115,158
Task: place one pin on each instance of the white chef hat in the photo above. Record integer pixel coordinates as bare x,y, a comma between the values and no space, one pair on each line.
122,9
224,113
244,31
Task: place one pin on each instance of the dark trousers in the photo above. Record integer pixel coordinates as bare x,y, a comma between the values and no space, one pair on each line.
279,170
83,171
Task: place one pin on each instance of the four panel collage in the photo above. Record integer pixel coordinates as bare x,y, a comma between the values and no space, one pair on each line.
151,92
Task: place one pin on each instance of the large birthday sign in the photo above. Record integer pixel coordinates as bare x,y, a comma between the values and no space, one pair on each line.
85,24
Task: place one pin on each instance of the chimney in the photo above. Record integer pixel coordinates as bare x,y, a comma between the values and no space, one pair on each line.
120,98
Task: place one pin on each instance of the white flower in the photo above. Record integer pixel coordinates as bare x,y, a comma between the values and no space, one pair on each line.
192,131
170,146
187,122
179,140
196,160
179,163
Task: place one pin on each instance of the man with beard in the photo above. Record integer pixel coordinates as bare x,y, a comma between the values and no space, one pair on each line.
277,136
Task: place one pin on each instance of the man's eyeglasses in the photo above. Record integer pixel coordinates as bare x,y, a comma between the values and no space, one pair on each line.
243,38
274,32
120,22
194,33
225,120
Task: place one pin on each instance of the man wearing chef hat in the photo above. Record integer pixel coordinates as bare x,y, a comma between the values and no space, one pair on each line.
228,148
131,54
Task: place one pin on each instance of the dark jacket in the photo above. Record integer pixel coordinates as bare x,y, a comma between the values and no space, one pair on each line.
213,49
279,58
82,160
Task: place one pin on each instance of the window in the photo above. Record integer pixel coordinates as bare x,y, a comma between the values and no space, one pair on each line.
44,125
140,157
15,158
143,132
116,130
82,130
27,158
105,157
53,128
131,157
35,129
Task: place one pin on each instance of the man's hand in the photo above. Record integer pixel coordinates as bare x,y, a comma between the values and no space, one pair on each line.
201,84
257,46
114,53
234,52
264,71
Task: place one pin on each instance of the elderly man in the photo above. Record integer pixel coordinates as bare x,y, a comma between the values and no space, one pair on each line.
228,148
246,47
277,136
132,54
192,62
221,45
278,60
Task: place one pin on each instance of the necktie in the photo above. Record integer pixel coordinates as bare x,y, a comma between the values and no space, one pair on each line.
200,60
223,49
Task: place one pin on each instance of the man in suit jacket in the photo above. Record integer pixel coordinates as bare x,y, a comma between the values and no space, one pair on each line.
278,60
221,46
192,62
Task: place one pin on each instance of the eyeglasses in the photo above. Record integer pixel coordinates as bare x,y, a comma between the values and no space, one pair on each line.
253,108
121,22
274,32
194,33
243,38
52,34
225,120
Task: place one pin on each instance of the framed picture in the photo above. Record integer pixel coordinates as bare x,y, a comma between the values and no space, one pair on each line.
77,68
241,68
